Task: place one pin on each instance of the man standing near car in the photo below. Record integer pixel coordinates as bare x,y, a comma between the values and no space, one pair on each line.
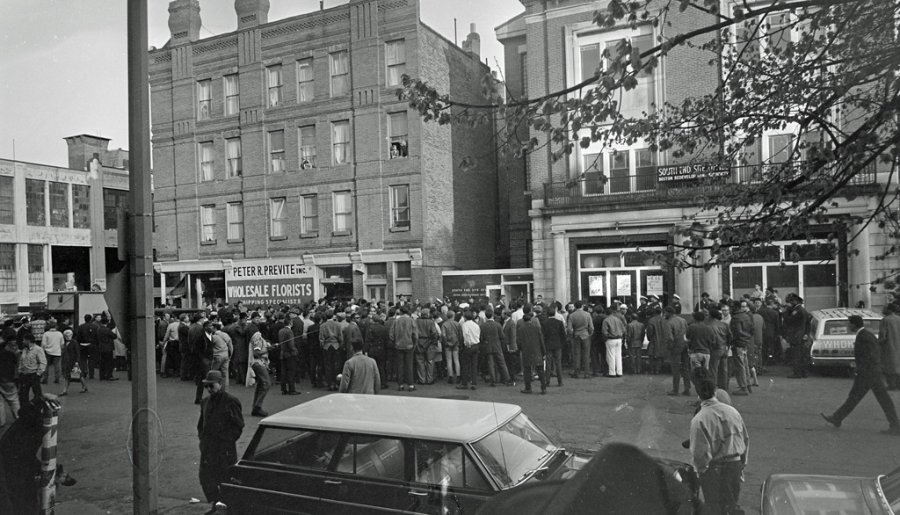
869,376
360,374
719,445
795,324
219,427
889,338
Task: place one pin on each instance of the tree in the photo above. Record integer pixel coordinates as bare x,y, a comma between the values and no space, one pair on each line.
824,70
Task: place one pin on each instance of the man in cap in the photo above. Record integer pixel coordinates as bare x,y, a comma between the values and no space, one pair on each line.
219,427
614,327
795,325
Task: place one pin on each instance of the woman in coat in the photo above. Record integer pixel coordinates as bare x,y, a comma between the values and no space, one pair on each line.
71,356
530,340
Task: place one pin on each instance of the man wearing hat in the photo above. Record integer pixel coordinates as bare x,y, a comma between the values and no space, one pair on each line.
613,329
795,324
220,425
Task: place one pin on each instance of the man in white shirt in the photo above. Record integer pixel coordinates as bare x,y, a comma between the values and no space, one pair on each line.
469,352
52,342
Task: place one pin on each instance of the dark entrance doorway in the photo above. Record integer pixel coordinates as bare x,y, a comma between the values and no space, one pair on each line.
71,263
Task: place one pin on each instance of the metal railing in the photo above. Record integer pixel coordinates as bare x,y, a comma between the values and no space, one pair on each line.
682,182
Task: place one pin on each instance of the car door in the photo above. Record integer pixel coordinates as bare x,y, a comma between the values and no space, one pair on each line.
282,472
445,480
368,476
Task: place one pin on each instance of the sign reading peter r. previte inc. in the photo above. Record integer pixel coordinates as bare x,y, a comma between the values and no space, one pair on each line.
691,172
270,281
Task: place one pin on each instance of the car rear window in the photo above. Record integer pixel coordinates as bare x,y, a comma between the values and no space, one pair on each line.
842,327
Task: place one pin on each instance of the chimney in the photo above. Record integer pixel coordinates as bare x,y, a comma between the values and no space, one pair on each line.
251,13
184,21
83,148
472,44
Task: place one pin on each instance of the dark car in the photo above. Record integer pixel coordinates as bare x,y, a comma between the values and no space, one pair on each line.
347,453
797,494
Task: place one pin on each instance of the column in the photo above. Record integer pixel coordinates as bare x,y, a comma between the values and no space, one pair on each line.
684,283
859,268
560,277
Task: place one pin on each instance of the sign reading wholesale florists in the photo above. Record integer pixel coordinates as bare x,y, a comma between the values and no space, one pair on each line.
692,173
270,281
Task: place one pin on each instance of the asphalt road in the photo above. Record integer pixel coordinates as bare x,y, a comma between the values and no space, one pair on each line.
787,434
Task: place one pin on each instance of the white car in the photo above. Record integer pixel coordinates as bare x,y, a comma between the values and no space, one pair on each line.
832,340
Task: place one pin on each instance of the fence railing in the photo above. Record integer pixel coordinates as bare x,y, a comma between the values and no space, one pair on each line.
685,182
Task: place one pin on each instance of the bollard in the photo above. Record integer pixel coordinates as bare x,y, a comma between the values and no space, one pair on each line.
49,421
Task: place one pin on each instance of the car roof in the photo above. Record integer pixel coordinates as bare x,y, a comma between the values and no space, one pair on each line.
843,313
390,415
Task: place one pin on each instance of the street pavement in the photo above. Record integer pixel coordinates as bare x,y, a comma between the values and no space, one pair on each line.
786,432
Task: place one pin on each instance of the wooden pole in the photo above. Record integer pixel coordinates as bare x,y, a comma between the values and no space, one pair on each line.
145,428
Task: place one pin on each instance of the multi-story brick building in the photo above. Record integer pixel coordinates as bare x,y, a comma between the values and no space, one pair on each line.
285,141
584,231
58,225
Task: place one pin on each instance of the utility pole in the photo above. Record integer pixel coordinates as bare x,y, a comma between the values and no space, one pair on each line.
145,428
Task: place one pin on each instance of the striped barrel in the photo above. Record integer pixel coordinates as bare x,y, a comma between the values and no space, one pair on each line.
50,419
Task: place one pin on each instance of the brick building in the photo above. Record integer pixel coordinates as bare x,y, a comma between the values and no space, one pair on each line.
285,141
58,225
584,231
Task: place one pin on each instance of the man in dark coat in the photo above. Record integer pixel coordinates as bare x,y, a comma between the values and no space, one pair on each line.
795,324
771,332
239,338
86,336
376,341
184,347
219,427
554,332
530,339
106,343
491,348
673,340
869,376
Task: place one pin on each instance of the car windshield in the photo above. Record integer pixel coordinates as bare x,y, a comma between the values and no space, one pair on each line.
890,485
841,327
514,451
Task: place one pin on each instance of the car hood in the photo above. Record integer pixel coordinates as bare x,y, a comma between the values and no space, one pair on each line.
790,494
567,464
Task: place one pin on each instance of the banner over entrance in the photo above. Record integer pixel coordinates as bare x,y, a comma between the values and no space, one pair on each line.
270,281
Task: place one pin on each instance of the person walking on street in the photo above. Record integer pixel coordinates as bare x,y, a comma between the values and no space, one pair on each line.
32,364
360,374
219,427
889,338
719,445
869,376
795,324
71,363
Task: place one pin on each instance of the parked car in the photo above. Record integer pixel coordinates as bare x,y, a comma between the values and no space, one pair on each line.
796,494
346,453
832,340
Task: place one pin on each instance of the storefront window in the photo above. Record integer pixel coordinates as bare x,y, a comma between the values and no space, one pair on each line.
601,260
820,286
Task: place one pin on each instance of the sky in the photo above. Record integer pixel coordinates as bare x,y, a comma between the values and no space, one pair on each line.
64,62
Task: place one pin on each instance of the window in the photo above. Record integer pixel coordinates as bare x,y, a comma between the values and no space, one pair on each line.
307,147
7,204
619,181
340,137
309,214
81,206
59,204
112,200
36,282
594,54
305,80
343,211
780,148
208,224
645,169
232,94
276,150
778,32
308,449
233,152
400,206
373,456
593,174
395,57
273,83
234,216
35,213
340,73
277,218
403,279
207,160
440,463
399,135
204,99
8,267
